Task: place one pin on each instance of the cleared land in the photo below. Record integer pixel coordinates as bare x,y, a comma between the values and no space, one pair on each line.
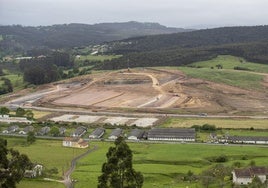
140,122
164,90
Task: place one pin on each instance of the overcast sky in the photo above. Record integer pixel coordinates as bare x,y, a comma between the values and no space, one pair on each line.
175,13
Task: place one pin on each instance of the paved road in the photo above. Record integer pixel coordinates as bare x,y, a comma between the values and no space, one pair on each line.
67,180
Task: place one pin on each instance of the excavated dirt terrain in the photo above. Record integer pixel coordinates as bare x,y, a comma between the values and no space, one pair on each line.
151,89
158,89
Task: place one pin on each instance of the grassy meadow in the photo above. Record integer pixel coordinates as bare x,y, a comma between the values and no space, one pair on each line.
49,153
229,123
40,114
229,62
16,80
243,79
96,57
26,183
163,165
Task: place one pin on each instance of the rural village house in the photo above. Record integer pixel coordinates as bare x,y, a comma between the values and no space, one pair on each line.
26,130
75,142
135,134
11,129
44,130
115,134
36,171
80,131
245,176
97,133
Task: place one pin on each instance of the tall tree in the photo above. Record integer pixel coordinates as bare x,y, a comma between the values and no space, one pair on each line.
12,166
118,172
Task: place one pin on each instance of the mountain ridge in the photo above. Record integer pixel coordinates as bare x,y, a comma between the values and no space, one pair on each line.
20,38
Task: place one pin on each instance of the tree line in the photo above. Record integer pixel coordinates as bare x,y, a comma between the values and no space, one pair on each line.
41,70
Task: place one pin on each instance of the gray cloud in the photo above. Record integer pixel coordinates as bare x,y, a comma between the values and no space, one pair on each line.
178,13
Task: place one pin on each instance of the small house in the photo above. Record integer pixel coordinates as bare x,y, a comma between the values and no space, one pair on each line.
11,129
74,142
245,176
44,130
136,134
80,131
36,171
115,134
97,133
26,130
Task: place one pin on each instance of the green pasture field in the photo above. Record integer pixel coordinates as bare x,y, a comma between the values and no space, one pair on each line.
245,80
229,62
16,80
163,165
233,123
34,183
49,153
97,57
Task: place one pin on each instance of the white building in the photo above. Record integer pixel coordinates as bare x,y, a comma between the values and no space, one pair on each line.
245,176
172,134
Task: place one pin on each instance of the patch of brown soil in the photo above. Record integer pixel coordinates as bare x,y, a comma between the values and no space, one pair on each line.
155,89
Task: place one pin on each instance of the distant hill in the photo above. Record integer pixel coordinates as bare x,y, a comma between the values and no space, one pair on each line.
183,48
20,38
198,38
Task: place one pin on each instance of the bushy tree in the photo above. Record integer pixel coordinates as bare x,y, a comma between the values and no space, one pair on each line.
4,110
29,114
12,166
31,137
55,131
118,172
20,112
6,87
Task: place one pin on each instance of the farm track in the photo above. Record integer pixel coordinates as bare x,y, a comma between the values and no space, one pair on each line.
67,180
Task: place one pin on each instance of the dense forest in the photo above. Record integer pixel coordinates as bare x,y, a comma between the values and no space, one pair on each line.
40,70
18,38
199,38
184,48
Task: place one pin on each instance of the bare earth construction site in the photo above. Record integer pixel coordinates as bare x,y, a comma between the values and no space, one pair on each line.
149,90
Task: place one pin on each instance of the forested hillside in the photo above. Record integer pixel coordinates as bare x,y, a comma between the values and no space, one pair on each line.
199,38
184,48
19,38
